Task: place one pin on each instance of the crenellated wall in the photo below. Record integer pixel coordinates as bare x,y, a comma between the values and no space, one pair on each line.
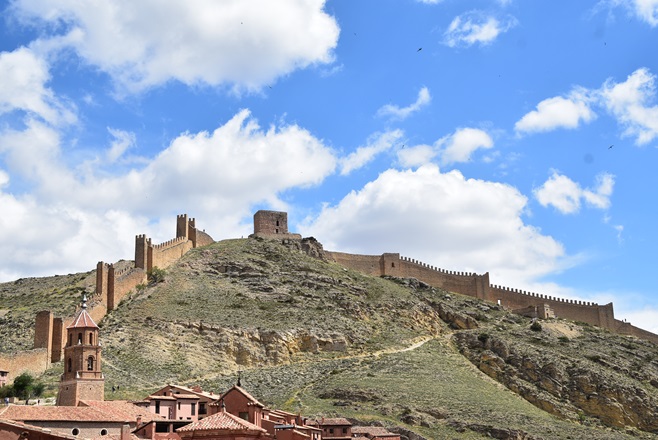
112,286
478,286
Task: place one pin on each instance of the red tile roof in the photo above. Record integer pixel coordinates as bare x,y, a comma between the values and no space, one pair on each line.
63,413
122,408
252,399
222,421
39,429
373,431
338,421
83,320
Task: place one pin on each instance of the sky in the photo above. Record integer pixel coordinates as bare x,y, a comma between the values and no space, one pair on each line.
505,136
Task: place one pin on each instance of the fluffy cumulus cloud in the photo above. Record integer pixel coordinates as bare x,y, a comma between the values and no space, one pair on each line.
442,219
459,146
221,174
557,112
23,87
396,112
629,102
377,143
476,27
147,43
567,196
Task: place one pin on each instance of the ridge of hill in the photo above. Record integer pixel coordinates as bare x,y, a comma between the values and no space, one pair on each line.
312,336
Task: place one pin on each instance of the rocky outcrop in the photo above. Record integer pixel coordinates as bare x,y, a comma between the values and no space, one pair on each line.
560,385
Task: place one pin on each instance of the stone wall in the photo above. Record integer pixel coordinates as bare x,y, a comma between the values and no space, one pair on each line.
478,286
34,361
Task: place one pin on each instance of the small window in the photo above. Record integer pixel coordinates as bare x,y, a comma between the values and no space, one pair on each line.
75,431
193,409
244,416
331,430
70,365
157,407
179,405
103,431
90,363
277,223
79,338
91,339
392,264
344,430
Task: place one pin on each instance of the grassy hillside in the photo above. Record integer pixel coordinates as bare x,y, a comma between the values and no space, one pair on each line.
311,336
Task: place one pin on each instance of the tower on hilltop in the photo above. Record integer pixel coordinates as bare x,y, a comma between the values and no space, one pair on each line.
272,224
82,378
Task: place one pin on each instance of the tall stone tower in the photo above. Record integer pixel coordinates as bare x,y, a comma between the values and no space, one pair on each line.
82,378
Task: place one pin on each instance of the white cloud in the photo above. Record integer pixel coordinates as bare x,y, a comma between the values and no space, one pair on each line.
377,143
442,219
476,28
628,102
459,146
216,176
147,43
23,87
645,10
123,140
416,156
557,112
395,112
565,195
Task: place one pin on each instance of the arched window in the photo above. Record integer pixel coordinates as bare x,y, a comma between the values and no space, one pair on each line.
90,363
79,338
70,365
91,339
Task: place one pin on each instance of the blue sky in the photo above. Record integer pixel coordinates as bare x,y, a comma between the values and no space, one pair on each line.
503,136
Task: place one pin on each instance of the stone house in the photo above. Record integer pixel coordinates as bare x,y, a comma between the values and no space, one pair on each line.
333,428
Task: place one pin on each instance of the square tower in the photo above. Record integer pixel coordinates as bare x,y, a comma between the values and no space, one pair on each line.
270,223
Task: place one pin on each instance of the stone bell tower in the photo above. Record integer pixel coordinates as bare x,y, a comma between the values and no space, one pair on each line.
82,378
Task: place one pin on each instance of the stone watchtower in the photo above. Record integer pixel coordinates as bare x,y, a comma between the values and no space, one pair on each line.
272,224
82,378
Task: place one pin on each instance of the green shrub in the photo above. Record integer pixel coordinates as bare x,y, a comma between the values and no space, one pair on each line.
156,275
535,326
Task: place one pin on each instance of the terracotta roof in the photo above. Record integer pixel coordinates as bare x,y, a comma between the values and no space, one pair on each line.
122,408
199,393
373,430
160,398
63,413
222,421
33,428
185,396
252,399
82,320
360,438
338,421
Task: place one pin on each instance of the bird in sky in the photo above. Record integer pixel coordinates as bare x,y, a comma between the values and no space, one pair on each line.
419,49
611,146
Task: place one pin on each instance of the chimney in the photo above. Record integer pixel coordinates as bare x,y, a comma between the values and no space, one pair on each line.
125,432
139,421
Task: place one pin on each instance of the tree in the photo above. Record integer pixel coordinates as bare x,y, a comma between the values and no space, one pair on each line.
23,386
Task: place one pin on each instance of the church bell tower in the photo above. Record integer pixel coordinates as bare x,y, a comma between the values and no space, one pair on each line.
82,378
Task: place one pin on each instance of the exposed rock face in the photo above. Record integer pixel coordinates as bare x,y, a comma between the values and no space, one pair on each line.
559,385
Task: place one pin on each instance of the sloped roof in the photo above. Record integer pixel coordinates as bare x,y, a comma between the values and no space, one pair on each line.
63,414
373,431
337,421
39,429
122,408
198,393
221,421
82,320
252,399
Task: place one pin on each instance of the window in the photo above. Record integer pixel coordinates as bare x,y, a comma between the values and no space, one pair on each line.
331,430
193,410
91,339
157,407
244,416
179,405
90,363
70,365
392,264
202,408
277,223
75,431
103,431
79,338
344,430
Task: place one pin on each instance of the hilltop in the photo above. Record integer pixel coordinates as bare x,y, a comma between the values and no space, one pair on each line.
310,335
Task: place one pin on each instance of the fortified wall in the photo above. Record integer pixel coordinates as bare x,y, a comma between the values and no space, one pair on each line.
112,285
478,286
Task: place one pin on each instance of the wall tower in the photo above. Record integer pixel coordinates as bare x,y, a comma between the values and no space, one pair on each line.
82,378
